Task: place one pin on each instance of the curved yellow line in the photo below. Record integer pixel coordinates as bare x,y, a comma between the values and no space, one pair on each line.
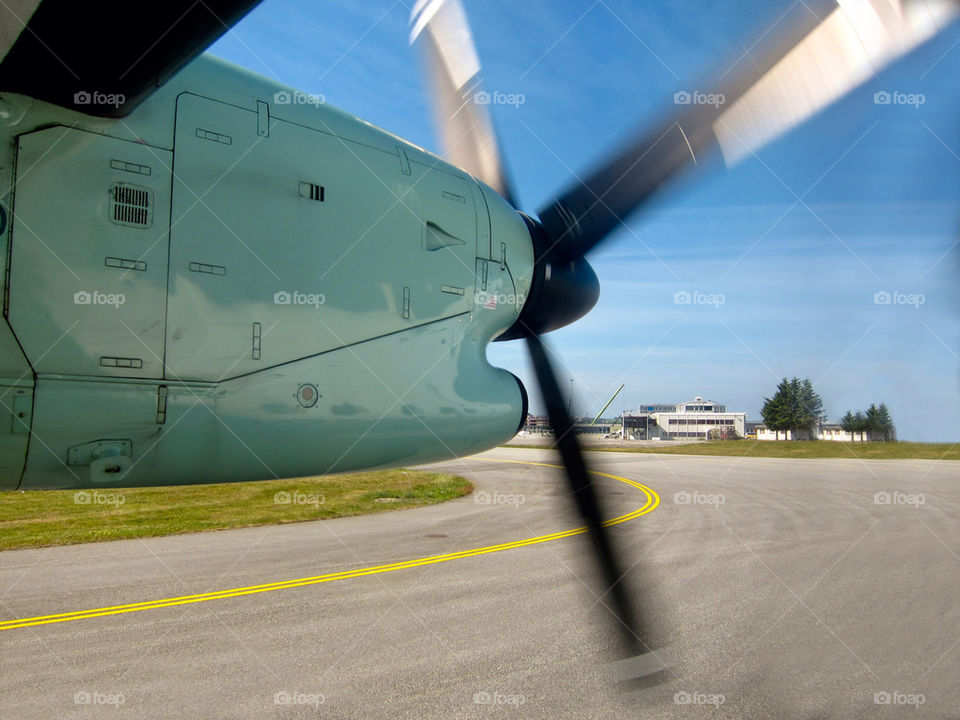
653,500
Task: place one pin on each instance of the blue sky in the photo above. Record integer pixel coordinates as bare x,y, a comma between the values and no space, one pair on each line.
879,184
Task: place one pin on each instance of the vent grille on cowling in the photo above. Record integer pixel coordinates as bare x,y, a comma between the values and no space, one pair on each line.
131,205
311,191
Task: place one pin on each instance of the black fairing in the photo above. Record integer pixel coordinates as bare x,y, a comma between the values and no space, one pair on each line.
563,290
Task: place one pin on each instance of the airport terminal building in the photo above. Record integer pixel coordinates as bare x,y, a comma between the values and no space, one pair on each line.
697,419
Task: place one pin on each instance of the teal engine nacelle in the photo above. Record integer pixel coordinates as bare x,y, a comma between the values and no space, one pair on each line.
239,282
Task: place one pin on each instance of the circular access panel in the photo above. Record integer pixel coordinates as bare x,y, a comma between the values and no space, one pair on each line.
307,395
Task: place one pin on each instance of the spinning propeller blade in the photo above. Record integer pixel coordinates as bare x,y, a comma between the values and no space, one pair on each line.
818,52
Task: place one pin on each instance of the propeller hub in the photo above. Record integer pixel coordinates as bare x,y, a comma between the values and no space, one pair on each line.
563,289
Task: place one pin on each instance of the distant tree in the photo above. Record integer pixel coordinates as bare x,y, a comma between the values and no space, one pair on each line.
849,423
809,406
776,409
875,423
795,406
887,430
860,423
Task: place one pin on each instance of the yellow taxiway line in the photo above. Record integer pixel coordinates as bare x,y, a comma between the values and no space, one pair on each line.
653,500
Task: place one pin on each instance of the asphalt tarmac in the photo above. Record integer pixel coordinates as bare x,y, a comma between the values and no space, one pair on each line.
777,589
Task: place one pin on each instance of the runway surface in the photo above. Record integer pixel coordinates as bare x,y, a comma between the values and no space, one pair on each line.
779,589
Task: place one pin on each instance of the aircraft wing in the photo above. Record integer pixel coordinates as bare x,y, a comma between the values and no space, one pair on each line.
103,58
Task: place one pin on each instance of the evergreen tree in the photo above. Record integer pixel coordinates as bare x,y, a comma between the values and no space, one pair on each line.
887,431
872,420
860,423
795,406
875,422
776,410
809,406
848,423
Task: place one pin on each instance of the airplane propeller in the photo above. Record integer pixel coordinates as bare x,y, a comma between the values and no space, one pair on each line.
816,53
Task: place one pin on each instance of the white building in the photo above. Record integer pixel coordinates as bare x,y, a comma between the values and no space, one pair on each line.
834,432
690,420
824,432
